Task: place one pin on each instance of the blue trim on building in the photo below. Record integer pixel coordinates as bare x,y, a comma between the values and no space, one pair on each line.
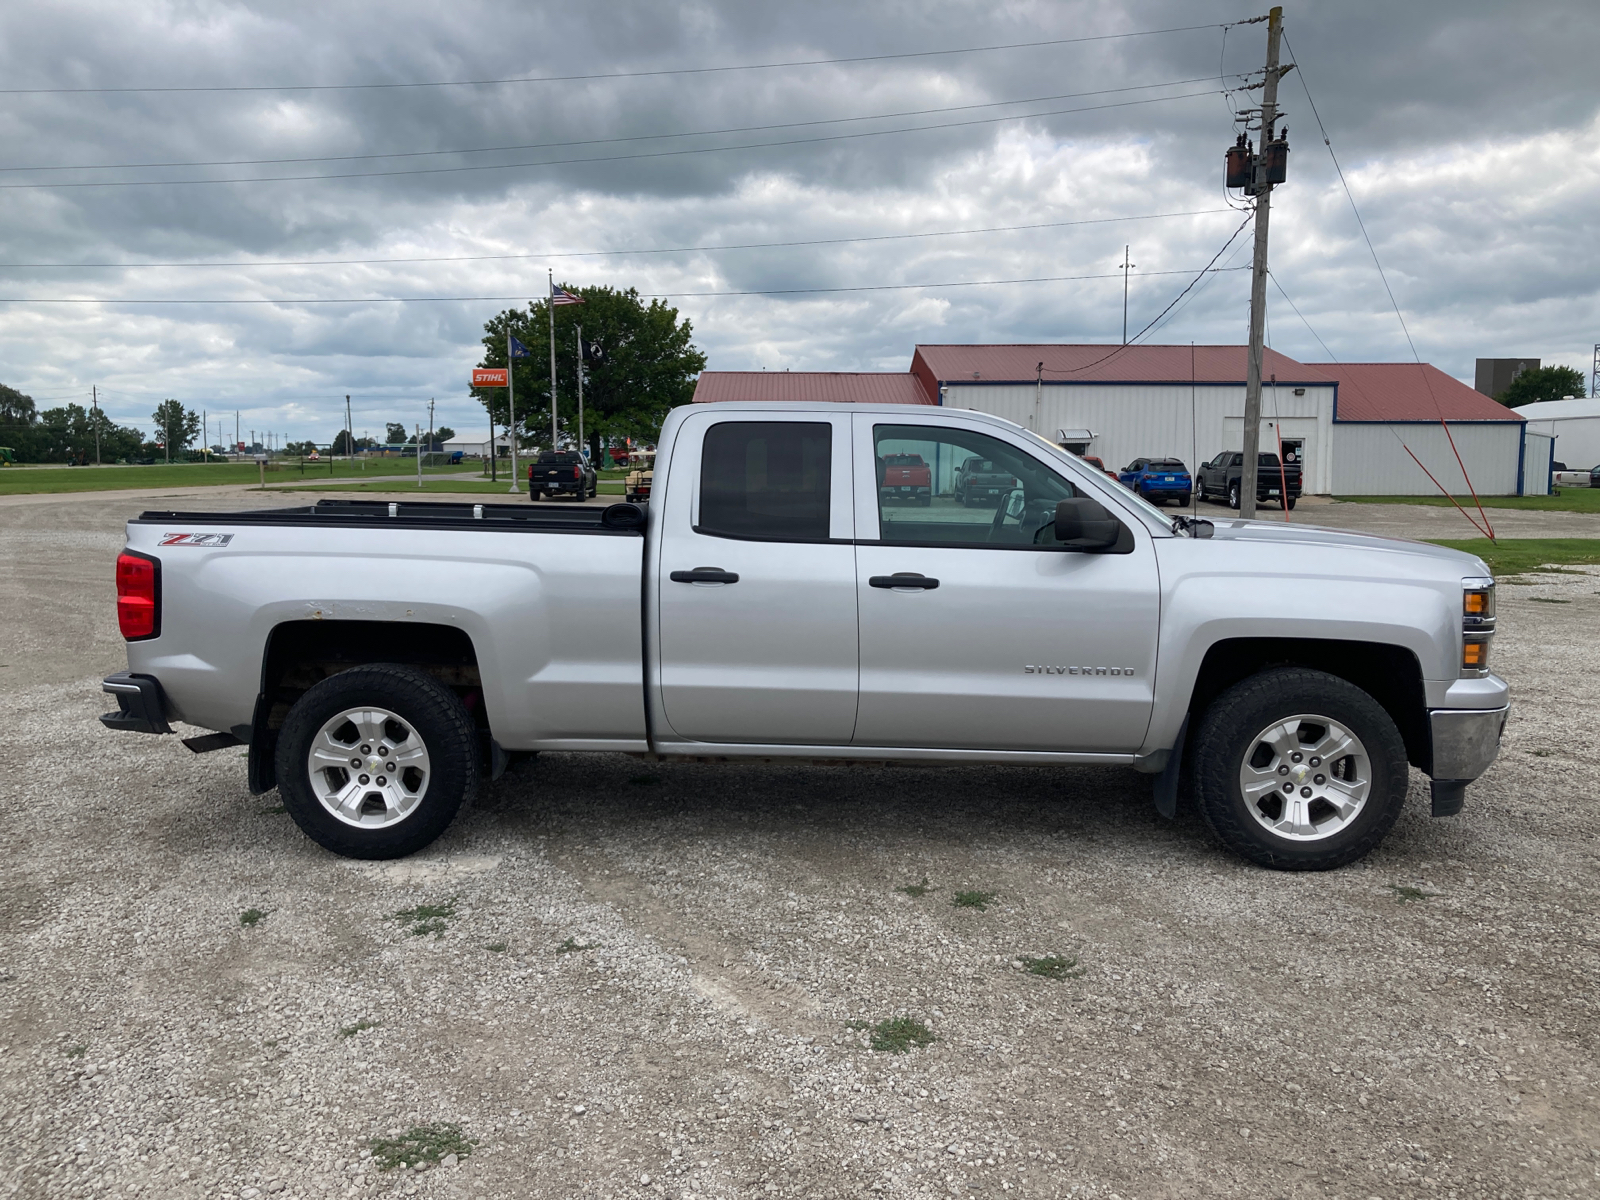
1522,454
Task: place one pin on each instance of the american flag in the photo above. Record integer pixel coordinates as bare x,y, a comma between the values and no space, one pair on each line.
560,295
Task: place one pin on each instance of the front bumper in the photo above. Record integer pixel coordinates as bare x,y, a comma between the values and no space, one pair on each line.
1465,742
141,705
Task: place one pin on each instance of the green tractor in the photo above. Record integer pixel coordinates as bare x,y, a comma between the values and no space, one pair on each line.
8,457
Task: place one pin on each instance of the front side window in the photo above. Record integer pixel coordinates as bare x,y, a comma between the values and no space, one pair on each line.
766,479
968,489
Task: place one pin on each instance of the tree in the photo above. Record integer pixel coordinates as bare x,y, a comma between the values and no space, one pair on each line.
176,426
19,424
67,434
649,367
303,449
343,443
1542,383
397,432
443,434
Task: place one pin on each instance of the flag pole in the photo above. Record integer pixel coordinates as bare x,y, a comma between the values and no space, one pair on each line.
580,390
511,396
550,303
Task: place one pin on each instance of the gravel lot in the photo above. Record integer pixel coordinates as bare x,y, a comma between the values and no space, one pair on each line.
644,977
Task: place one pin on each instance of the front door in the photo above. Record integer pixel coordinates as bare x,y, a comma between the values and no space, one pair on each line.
756,580
977,630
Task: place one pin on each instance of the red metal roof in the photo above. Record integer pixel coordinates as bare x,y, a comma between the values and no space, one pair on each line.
1409,392
1102,364
833,387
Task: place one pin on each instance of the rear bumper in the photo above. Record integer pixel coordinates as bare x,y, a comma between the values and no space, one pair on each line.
141,705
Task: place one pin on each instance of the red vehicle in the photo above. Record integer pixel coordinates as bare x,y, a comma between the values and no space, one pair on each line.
905,479
1099,466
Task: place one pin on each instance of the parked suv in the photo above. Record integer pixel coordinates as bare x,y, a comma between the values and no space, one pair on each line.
1219,479
979,481
1158,479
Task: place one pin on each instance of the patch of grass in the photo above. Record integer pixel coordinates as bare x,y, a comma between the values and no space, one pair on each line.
1052,966
977,900
1405,894
1570,500
916,890
50,479
496,947
645,780
349,1031
1516,556
428,918
899,1034
252,917
77,1051
573,946
421,1144
1547,600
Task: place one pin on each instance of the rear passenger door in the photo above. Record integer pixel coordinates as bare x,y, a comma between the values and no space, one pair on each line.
755,583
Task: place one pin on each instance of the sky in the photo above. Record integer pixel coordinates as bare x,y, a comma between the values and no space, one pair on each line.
697,150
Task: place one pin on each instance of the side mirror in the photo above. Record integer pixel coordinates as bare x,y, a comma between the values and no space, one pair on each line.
1084,524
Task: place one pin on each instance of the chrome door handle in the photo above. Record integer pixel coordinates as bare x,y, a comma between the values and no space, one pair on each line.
904,579
704,575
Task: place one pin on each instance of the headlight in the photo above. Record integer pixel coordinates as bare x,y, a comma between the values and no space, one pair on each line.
1477,625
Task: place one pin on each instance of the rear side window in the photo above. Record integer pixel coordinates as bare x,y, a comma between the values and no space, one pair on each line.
766,479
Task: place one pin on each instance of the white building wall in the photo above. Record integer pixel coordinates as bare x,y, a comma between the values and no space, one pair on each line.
1577,439
1537,455
1369,460
1135,420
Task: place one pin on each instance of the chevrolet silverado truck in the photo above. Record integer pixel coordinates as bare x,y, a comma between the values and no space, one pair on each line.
561,472
1276,484
378,659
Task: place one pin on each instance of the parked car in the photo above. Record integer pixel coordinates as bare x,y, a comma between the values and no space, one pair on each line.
377,657
561,473
1594,476
1094,461
1219,479
979,481
1158,479
905,479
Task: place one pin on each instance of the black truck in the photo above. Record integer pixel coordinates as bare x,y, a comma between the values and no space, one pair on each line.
1276,483
561,473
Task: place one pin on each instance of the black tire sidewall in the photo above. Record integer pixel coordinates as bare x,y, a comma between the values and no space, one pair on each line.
1225,735
430,708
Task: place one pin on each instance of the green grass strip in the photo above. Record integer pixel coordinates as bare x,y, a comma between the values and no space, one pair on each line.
1513,556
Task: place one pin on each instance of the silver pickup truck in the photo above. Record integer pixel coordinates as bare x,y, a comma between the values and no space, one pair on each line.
379,659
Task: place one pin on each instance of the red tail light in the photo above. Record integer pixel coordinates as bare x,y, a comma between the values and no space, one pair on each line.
577,472
138,596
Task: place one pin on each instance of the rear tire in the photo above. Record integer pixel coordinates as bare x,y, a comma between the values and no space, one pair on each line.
1233,495
1289,503
1271,728
405,810
1183,499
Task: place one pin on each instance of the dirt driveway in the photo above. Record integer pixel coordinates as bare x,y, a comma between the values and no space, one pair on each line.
639,980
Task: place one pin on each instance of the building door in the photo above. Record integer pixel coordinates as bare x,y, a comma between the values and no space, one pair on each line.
978,631
756,581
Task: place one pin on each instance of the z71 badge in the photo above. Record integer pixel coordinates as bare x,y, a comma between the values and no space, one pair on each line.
195,539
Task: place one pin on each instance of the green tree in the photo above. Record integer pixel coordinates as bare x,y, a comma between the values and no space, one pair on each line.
396,432
1542,383
648,366
67,434
19,424
443,434
176,426
343,443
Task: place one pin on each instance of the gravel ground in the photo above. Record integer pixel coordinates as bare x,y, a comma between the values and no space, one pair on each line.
642,980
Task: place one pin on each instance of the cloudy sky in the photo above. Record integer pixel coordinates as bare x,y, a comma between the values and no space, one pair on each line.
221,153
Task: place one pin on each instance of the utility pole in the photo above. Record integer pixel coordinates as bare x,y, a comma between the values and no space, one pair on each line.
205,436
550,303
580,391
419,455
511,398
430,429
236,431
1264,174
1126,267
94,401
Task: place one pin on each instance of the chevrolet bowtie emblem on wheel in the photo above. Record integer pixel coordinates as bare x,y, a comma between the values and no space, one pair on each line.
1044,670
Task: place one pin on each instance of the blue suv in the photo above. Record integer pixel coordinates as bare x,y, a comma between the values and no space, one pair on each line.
1158,480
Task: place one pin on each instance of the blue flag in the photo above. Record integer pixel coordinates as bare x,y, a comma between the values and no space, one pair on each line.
518,350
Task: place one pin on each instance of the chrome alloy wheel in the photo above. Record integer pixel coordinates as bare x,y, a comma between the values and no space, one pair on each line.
368,767
1305,778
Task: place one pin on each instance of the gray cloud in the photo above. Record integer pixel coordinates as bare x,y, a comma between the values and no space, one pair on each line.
1468,132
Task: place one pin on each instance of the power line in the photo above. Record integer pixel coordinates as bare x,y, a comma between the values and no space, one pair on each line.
640,137
881,287
882,237
556,162
765,66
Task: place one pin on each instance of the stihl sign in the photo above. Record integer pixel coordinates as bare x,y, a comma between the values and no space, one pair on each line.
489,377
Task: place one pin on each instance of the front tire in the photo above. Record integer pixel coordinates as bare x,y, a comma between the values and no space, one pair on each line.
1299,770
375,762
1233,495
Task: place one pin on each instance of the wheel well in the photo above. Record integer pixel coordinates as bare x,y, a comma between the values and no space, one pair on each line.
1391,675
301,654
